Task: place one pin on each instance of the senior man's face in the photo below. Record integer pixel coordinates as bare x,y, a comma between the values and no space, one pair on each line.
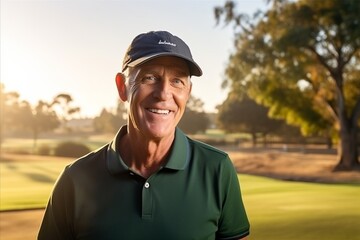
158,95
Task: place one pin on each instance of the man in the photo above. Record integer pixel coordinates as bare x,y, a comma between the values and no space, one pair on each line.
151,181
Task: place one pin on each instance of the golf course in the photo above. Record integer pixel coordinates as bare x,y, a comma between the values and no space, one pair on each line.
277,208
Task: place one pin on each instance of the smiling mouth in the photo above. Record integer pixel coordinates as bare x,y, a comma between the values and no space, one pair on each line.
159,111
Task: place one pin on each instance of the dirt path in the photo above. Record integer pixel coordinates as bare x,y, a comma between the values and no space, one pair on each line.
293,164
20,225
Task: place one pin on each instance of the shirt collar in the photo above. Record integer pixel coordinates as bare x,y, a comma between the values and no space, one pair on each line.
178,158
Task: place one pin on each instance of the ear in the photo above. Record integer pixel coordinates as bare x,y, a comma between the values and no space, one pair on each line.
190,88
121,86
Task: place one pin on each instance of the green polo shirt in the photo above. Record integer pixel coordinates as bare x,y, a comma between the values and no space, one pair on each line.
195,195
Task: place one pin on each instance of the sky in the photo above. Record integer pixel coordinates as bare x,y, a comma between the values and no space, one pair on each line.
77,46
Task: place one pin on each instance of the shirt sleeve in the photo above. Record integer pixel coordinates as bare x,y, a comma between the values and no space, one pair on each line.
233,223
57,220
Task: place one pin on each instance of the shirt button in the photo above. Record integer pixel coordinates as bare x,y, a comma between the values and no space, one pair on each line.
147,185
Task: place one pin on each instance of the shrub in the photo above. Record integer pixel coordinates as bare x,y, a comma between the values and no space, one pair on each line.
44,150
20,151
71,149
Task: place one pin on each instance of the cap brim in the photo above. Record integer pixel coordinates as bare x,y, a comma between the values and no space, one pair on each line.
195,69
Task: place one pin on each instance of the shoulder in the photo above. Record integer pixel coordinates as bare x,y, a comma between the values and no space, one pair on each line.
207,149
208,155
91,160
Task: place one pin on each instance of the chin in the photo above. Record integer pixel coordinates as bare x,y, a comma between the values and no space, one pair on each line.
160,132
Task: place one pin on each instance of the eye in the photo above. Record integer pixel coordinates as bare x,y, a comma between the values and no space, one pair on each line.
149,79
177,82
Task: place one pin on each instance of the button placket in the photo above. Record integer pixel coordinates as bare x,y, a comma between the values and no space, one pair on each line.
147,202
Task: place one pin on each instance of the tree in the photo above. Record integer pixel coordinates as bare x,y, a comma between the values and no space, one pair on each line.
109,122
103,122
62,105
301,59
17,114
9,107
242,114
194,119
42,118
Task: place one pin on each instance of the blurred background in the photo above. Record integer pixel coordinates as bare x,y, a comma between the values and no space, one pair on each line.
280,93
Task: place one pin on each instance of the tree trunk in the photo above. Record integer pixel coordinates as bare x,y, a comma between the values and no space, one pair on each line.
265,139
35,137
254,139
348,146
348,149
329,142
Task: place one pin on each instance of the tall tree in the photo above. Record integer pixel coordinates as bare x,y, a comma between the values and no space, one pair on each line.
62,104
194,119
111,121
9,107
301,59
41,118
19,115
103,122
239,113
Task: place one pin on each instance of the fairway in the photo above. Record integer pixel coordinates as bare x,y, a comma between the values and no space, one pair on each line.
293,210
280,210
27,184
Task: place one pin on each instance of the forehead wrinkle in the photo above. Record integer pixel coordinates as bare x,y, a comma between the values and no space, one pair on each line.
161,69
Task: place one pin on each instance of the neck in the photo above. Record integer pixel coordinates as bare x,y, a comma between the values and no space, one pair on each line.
144,156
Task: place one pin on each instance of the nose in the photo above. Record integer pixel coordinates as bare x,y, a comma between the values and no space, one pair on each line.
163,91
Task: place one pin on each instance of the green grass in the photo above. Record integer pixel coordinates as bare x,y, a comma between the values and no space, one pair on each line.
276,209
294,210
26,185
26,145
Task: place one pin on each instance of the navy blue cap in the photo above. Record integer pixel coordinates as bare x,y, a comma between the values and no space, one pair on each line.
150,45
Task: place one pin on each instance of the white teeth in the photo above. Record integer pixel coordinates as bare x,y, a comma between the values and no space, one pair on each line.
159,111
